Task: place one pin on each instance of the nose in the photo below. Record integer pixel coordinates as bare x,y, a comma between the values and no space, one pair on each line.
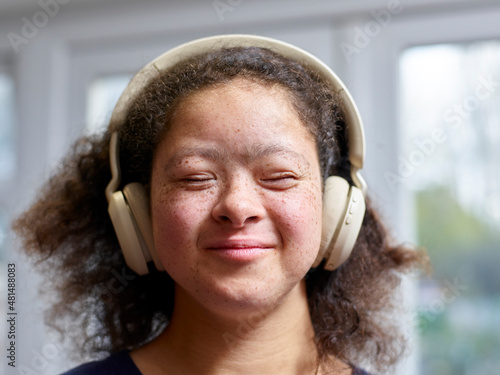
239,204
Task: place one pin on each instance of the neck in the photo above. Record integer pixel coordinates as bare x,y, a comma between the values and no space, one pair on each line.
263,341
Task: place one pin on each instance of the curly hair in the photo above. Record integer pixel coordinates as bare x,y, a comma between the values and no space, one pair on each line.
70,235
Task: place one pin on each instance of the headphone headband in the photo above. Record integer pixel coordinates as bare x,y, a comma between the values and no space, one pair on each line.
185,51
343,204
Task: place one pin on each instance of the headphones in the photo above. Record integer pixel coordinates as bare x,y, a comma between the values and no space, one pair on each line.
343,204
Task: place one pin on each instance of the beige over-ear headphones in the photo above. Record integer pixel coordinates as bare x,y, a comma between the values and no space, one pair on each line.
343,205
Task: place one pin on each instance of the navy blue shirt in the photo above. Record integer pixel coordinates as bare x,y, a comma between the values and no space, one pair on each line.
121,364
116,364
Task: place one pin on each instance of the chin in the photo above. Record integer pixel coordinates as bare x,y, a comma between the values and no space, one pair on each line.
243,297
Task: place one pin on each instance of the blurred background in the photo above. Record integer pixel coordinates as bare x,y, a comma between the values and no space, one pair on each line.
425,75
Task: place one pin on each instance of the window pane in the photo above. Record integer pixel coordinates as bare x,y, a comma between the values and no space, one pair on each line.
102,96
450,161
7,137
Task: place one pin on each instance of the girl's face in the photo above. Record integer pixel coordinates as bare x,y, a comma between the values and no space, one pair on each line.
236,197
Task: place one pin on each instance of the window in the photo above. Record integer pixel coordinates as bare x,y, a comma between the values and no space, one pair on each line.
7,137
7,174
7,155
450,116
102,96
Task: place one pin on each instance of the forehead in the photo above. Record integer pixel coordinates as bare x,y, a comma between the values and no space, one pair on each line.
224,94
241,102
243,115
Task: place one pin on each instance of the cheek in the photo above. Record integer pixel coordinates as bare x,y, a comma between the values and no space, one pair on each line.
176,222
300,224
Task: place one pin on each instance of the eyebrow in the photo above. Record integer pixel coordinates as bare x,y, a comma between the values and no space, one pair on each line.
221,154
260,151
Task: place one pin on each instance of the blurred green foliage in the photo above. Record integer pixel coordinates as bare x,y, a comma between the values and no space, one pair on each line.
464,336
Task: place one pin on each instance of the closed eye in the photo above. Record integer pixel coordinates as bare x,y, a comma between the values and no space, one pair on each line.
197,181
280,182
280,178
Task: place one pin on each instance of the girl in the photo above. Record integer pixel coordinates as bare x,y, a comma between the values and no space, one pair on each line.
230,167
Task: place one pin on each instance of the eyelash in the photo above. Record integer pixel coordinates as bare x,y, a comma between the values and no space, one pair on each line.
197,180
279,182
278,178
281,179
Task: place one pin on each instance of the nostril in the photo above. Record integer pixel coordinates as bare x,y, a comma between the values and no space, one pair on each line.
237,207
235,221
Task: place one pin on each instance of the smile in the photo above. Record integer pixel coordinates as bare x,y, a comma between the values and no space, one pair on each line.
239,251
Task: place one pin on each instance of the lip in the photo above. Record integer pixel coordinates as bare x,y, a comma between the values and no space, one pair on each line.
239,250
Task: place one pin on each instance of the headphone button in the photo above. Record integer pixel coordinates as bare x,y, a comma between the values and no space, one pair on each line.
348,219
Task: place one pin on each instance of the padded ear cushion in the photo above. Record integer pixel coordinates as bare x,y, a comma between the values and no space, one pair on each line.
335,194
348,230
343,212
138,202
126,231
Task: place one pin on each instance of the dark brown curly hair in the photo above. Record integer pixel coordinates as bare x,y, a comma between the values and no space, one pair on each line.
105,307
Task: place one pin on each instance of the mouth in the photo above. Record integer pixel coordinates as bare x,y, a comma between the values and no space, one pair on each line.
239,250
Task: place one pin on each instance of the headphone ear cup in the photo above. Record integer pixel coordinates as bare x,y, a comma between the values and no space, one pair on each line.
343,212
335,194
126,232
138,202
348,230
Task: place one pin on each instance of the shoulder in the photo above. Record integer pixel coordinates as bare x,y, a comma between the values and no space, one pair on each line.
116,364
